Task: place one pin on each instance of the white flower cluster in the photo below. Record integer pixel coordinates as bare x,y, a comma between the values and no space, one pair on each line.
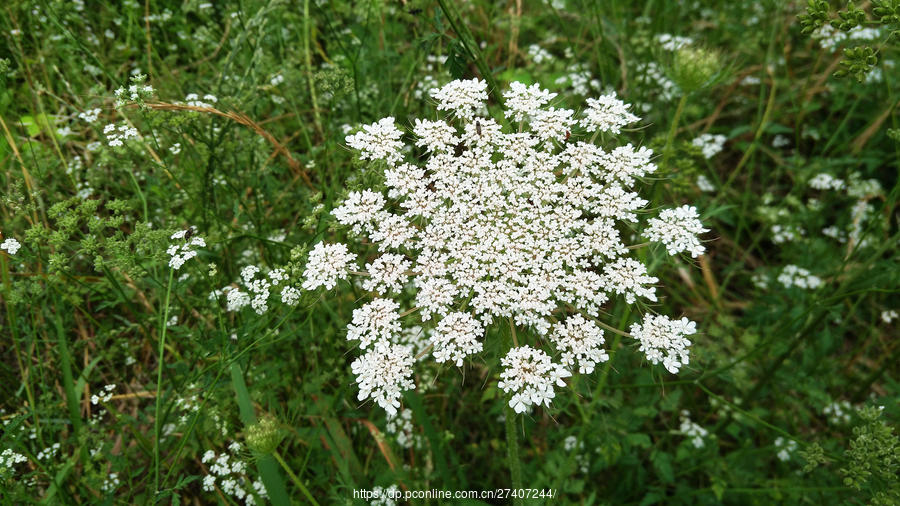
671,42
8,459
792,275
383,373
10,245
825,181
456,337
489,225
710,144
571,443
663,340
678,229
403,430
382,496
258,290
228,473
690,429
530,375
104,396
705,184
194,100
579,339
889,315
117,135
327,264
184,249
134,93
785,447
838,412
90,115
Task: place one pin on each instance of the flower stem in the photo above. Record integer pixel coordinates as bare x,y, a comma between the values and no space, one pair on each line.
667,152
512,453
164,325
295,479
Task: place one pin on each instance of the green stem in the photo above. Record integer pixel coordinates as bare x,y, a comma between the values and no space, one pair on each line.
164,325
667,151
512,453
308,61
294,478
468,41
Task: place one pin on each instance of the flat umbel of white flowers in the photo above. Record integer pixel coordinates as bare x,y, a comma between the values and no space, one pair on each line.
491,223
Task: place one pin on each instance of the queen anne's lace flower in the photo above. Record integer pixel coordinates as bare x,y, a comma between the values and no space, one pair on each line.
10,245
495,224
378,141
530,375
523,101
607,114
662,340
677,229
461,97
327,264
184,248
376,321
456,337
386,273
579,340
383,373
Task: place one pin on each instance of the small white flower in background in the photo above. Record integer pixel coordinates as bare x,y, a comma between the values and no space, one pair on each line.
193,99
705,184
90,115
825,181
538,54
383,373
785,447
10,245
838,412
663,340
175,148
104,396
385,496
579,340
376,321
9,458
117,135
530,376
327,264
403,430
780,141
416,339
792,275
185,247
276,80
456,337
889,315
48,452
229,473
672,42
710,144
678,229
691,430
135,92
786,233
571,443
